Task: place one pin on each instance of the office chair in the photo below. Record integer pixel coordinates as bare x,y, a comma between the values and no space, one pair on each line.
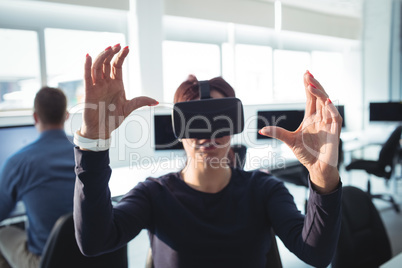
341,155
363,240
295,174
298,174
398,162
273,257
383,167
239,152
61,250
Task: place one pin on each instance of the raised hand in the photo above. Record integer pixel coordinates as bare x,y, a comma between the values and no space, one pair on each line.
315,143
106,105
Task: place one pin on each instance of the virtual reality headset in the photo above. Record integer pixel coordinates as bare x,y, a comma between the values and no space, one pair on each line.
207,118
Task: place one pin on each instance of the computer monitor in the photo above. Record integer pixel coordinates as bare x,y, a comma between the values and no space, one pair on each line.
163,133
386,111
341,110
287,119
13,138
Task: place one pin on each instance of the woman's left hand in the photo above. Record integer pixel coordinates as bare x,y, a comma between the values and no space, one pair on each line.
315,143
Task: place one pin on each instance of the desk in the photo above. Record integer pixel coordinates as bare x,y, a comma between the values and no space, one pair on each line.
354,141
270,157
395,262
123,179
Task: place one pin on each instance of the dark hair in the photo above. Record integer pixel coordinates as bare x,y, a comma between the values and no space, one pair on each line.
188,90
50,105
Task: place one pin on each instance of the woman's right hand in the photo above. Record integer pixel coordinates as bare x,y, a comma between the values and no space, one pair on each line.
106,105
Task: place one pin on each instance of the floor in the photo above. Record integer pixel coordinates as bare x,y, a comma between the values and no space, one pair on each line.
139,246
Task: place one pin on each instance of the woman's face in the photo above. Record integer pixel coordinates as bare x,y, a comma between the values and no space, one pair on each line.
213,151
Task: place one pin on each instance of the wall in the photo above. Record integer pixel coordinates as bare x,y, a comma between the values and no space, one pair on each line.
146,35
250,12
379,53
145,28
396,51
262,13
237,11
145,17
302,20
115,4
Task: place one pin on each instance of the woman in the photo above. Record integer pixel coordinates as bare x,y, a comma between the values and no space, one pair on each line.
206,215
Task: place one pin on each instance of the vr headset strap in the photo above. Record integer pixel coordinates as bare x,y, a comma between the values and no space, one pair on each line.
204,90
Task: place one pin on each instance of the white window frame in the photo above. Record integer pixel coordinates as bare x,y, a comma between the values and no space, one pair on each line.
213,32
37,16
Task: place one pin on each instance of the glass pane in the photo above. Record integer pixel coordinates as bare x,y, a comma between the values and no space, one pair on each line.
253,73
289,68
328,68
19,73
183,58
65,55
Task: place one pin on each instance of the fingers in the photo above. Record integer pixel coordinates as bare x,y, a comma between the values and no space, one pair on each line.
87,72
315,93
97,66
117,72
277,133
106,62
314,87
335,116
101,68
101,65
139,102
323,109
311,99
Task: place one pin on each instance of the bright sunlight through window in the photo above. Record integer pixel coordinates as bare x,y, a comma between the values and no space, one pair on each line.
65,55
19,77
183,58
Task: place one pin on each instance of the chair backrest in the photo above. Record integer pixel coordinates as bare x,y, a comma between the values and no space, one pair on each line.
341,155
239,155
273,257
390,148
363,240
61,250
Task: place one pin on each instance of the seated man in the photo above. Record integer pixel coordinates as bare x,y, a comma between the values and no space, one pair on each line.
42,176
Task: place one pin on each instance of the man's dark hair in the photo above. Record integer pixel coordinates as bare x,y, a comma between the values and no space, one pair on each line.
50,105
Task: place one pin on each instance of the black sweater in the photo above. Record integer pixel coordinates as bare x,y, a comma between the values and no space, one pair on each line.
190,228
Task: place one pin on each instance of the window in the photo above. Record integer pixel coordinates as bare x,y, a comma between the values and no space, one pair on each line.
253,69
289,67
183,58
328,67
46,45
19,73
65,56
262,65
